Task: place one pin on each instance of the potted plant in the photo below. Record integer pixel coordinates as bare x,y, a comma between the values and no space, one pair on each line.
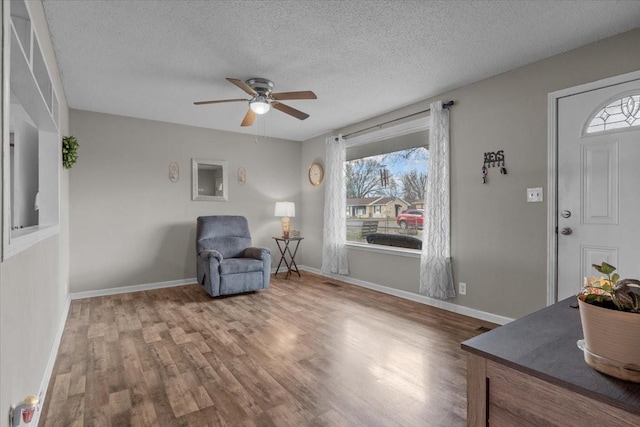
610,315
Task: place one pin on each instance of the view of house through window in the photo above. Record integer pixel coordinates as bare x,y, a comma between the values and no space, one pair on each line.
385,191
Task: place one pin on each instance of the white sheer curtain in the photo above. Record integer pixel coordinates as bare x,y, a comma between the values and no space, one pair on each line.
334,249
436,278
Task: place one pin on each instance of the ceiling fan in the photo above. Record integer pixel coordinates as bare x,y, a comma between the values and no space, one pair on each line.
262,99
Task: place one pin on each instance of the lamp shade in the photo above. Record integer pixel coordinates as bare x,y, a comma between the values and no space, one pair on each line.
260,105
285,209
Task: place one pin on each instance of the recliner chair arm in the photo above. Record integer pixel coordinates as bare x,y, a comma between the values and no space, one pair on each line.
207,270
210,253
264,255
257,253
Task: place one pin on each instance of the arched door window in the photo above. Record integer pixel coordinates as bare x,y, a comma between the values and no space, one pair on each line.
622,113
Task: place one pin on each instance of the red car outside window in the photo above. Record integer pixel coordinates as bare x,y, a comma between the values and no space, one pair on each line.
411,218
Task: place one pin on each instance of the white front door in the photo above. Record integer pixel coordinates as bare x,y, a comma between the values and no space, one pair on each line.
598,185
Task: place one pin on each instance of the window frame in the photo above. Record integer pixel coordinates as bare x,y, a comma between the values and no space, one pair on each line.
591,117
412,125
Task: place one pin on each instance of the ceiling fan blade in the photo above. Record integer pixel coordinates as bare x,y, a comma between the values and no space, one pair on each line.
242,85
219,101
303,94
249,118
290,111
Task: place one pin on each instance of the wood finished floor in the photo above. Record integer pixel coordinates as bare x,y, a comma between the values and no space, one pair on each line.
306,352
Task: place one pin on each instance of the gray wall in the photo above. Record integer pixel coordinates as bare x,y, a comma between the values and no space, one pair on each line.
33,284
498,239
130,225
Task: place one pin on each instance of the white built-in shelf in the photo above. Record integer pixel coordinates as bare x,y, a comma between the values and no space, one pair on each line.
22,24
32,99
30,80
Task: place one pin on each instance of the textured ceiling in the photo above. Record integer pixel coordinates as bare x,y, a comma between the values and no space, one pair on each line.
152,59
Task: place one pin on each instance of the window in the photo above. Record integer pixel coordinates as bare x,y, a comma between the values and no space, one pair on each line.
622,113
385,179
359,211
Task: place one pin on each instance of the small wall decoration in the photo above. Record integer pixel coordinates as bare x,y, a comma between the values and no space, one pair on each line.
174,172
316,174
493,159
242,175
69,151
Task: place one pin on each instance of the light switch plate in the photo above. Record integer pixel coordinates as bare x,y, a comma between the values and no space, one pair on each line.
534,194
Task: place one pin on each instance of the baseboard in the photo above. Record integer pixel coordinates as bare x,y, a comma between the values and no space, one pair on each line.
460,309
132,288
46,377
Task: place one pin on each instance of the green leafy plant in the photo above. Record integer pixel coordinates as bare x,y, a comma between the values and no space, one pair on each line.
610,291
69,151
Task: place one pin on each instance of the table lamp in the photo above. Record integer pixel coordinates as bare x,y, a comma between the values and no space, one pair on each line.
285,210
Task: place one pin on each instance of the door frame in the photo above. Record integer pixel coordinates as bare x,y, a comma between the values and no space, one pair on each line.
552,170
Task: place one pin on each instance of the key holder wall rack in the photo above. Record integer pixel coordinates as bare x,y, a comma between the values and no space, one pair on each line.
493,159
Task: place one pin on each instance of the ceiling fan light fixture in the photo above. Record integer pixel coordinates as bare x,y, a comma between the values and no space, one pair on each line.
260,105
263,98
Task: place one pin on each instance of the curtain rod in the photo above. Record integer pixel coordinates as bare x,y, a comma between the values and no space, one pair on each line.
445,105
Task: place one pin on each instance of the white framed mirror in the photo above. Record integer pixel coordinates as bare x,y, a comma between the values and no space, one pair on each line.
209,179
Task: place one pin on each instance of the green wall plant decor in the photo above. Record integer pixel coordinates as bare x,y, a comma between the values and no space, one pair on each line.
69,151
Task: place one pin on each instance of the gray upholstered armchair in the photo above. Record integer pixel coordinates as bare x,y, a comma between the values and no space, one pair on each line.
227,264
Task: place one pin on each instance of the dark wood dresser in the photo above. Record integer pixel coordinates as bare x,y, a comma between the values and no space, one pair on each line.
530,372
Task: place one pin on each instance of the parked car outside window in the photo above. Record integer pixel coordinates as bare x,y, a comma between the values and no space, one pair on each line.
411,218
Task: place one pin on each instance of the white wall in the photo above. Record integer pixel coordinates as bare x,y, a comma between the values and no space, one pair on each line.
131,225
33,284
498,239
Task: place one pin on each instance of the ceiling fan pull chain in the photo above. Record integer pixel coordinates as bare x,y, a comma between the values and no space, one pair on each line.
255,140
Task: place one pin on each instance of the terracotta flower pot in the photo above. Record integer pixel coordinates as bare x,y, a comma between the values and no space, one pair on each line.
612,341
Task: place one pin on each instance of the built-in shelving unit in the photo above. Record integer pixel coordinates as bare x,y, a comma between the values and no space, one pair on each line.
21,23
31,181
30,80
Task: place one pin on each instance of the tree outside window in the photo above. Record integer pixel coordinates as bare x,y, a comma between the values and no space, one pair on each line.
383,186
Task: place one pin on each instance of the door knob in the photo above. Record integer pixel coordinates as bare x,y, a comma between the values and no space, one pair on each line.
566,231
565,214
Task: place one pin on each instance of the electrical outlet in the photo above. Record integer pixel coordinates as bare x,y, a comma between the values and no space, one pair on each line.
534,194
462,288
